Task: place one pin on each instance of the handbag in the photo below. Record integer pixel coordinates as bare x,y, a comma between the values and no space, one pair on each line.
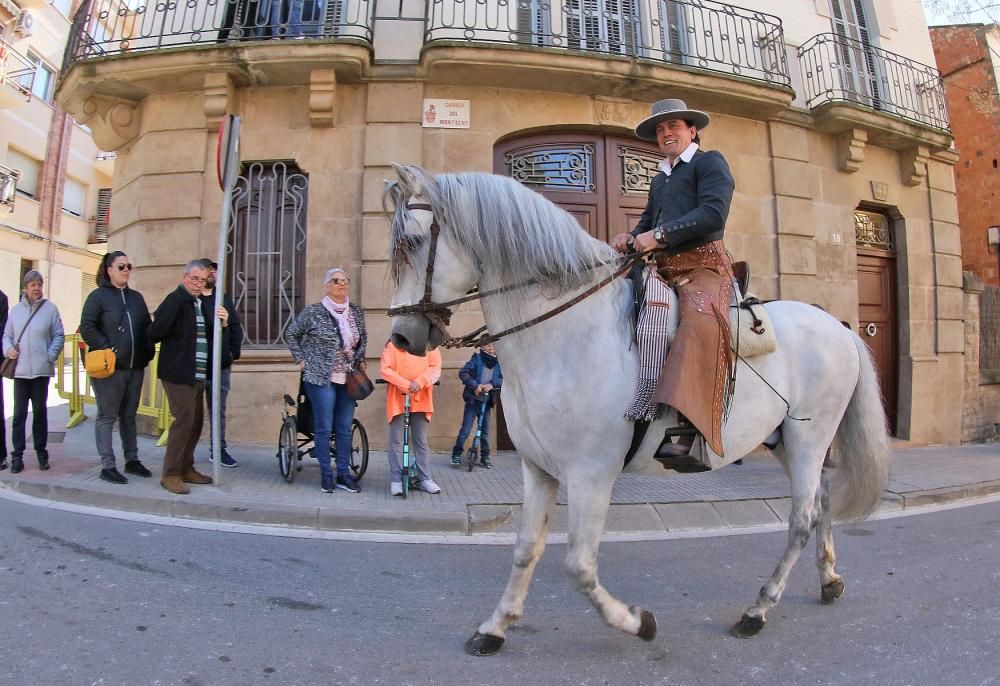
359,386
100,364
9,366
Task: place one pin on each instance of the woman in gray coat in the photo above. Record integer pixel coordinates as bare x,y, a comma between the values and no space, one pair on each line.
35,342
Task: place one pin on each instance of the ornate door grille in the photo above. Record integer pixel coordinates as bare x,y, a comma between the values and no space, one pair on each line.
267,244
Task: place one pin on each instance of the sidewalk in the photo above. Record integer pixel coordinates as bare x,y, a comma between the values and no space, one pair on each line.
483,501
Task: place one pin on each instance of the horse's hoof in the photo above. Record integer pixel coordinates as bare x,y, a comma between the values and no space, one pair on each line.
747,627
647,623
483,644
832,591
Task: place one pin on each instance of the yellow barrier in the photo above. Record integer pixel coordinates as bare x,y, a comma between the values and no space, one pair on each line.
152,401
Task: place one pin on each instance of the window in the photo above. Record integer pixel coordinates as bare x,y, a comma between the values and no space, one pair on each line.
74,197
102,221
30,168
45,78
26,266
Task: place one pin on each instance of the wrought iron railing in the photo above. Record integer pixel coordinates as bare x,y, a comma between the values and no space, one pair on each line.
16,70
703,34
109,27
8,186
836,68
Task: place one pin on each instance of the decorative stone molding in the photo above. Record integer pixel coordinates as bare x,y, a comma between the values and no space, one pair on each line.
913,164
611,111
113,121
220,98
851,150
323,98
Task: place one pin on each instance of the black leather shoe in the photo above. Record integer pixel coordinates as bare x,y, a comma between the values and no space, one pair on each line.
43,461
137,468
113,476
16,464
677,456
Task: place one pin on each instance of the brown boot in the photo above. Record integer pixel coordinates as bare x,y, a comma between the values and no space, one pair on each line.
196,477
175,484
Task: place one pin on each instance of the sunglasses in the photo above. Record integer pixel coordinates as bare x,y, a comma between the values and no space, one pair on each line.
124,267
340,282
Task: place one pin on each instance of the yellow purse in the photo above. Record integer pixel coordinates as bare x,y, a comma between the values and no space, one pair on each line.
100,364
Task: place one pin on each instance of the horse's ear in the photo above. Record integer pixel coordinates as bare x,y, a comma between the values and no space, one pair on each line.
408,180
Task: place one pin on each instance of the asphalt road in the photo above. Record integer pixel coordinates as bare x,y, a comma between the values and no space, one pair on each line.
89,600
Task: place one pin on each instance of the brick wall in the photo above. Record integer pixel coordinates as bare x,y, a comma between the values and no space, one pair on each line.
966,64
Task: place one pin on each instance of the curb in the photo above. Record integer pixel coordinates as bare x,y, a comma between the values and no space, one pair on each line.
472,519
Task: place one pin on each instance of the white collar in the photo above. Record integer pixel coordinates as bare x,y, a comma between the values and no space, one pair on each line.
686,156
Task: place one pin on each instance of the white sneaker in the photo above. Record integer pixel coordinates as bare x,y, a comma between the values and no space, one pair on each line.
396,488
428,486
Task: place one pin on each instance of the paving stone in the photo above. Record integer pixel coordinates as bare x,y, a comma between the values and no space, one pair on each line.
688,516
743,513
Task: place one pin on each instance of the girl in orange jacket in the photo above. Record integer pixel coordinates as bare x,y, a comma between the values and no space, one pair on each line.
408,374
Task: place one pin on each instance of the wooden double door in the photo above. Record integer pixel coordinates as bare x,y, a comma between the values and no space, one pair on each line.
601,179
877,322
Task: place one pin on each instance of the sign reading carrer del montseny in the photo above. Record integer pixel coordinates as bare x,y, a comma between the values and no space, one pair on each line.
445,114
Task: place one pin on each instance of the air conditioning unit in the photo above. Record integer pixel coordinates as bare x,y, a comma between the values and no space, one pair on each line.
25,24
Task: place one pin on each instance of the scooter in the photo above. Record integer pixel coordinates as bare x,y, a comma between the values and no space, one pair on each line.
473,453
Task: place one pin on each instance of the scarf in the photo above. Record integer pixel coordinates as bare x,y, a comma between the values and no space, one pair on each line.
342,315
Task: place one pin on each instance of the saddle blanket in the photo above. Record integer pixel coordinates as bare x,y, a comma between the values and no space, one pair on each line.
751,332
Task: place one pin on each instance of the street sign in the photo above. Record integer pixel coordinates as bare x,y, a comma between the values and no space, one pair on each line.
227,150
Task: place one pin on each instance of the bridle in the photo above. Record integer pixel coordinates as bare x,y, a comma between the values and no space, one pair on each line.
439,314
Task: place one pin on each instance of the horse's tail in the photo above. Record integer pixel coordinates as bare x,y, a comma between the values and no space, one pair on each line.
863,442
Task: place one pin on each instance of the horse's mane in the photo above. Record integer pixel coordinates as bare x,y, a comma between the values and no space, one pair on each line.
507,232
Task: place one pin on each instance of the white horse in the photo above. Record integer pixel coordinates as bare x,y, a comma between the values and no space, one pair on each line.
569,379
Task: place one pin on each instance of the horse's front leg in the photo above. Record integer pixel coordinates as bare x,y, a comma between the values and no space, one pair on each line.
589,497
805,514
539,498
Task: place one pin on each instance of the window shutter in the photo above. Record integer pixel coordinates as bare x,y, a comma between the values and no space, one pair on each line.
102,225
29,168
74,197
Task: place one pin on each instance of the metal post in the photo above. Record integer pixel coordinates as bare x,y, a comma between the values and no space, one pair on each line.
229,150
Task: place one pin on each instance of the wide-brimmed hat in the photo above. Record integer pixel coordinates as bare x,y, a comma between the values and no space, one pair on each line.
669,109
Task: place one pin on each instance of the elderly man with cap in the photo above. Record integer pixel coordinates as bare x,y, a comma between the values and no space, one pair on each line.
684,220
328,340
232,341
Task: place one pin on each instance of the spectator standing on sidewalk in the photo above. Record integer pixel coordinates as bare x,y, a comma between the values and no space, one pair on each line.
3,413
480,376
34,337
232,340
327,340
414,376
181,329
115,316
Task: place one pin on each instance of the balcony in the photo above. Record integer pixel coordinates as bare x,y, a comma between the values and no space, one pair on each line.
17,77
132,50
718,53
852,84
105,162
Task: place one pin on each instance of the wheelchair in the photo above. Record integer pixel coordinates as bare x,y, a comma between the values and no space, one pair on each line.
295,440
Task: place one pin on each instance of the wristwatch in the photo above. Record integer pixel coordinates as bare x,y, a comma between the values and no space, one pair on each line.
659,236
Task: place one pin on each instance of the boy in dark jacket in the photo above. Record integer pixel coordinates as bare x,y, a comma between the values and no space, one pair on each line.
481,378
232,340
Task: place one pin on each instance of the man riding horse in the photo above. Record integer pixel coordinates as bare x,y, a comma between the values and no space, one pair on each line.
684,221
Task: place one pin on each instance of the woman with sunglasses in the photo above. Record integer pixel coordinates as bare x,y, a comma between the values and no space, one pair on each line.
115,316
328,340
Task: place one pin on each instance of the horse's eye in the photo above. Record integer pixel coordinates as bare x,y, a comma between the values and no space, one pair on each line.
414,243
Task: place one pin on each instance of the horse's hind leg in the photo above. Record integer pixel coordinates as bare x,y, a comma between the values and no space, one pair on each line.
589,498
539,497
831,583
804,473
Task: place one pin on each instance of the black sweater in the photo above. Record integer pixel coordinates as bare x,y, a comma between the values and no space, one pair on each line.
175,328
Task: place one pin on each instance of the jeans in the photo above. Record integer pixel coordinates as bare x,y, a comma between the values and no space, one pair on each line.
117,400
224,379
3,422
418,439
186,405
333,410
37,392
469,419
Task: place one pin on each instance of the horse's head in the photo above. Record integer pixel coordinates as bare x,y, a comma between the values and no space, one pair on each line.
427,267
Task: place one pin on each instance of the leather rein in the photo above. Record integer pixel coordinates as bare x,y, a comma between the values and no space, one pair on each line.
440,313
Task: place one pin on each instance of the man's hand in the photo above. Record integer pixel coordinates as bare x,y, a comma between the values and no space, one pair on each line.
487,387
414,387
622,241
645,241
12,353
223,314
